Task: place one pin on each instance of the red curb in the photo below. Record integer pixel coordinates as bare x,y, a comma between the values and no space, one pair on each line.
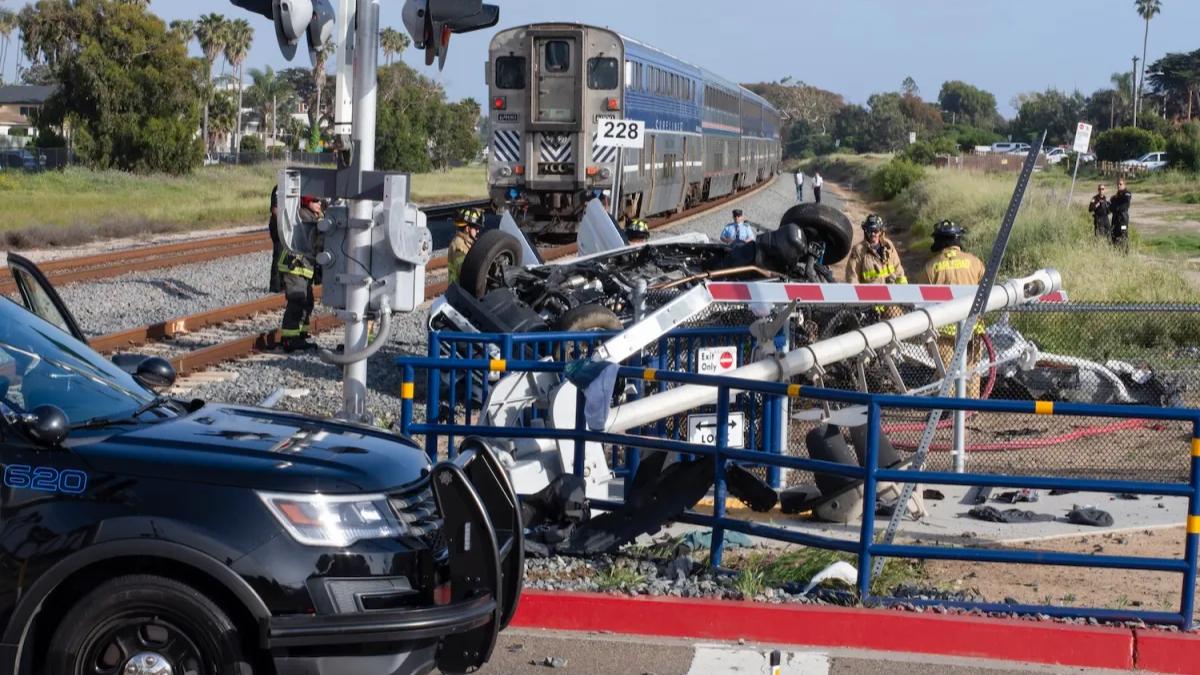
1159,652
835,627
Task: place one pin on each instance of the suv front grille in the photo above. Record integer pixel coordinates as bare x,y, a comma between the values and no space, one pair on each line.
418,513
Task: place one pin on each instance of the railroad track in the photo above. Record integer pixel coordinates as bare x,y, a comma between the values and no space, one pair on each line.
266,340
108,265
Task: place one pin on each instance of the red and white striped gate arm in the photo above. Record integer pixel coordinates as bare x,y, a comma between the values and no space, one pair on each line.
847,294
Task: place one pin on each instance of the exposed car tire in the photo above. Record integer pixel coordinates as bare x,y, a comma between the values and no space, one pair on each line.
483,265
146,615
588,317
821,222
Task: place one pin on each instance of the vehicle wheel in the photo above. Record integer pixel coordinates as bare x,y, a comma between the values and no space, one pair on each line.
141,621
588,317
821,222
583,319
483,266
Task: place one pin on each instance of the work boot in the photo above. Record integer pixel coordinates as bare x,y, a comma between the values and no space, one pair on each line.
298,344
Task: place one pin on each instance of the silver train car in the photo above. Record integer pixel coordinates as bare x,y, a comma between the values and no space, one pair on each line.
552,84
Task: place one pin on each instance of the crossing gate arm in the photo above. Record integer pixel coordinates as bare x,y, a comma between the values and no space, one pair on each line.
848,294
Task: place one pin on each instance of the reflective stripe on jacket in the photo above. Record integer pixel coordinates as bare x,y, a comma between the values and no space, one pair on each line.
867,266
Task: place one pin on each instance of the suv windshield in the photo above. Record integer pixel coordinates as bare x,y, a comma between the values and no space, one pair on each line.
40,364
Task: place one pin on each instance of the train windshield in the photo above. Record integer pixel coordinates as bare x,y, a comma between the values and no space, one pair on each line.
603,73
510,72
558,56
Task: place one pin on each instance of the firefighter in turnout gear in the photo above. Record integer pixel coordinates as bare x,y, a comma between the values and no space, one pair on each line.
876,261
953,266
298,273
469,223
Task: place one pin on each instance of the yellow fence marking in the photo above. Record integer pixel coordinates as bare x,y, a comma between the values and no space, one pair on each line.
1193,525
498,365
649,375
1043,408
1196,447
406,390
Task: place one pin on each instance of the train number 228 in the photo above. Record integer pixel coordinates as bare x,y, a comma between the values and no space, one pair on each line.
45,478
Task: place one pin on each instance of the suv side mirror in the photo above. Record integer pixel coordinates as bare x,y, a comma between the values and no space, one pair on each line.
151,371
47,425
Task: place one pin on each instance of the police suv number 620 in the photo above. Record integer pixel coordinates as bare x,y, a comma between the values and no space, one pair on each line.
621,133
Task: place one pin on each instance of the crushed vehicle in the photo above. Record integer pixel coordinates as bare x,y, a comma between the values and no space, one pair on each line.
504,288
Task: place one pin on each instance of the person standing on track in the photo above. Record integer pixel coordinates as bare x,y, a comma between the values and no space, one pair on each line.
276,283
469,223
298,272
738,230
952,266
817,183
1100,208
1120,215
799,185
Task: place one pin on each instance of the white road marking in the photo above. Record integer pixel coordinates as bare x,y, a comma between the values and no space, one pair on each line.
722,660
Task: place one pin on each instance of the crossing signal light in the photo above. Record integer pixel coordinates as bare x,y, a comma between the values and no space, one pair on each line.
432,22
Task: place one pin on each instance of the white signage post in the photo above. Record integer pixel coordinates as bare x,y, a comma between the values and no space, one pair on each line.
702,430
715,360
1083,138
619,134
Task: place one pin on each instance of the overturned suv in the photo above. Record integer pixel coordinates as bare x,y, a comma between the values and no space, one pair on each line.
146,534
500,292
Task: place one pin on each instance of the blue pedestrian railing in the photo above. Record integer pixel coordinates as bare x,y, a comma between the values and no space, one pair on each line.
450,387
866,548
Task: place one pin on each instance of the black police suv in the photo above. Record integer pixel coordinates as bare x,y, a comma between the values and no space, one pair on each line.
144,535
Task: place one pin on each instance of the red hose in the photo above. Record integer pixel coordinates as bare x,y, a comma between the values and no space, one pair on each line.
1008,446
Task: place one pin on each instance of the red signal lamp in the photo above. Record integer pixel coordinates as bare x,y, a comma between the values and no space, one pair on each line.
613,104
499,103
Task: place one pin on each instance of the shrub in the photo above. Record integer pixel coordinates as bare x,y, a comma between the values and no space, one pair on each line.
252,144
920,152
1118,145
895,177
1183,150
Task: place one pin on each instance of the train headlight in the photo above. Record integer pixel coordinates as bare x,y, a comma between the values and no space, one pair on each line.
605,174
505,172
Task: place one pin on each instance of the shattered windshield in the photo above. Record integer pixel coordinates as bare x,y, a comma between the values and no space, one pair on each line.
40,364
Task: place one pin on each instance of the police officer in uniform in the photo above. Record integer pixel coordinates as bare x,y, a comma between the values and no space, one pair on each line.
1120,215
953,266
875,260
469,223
298,272
1099,208
737,231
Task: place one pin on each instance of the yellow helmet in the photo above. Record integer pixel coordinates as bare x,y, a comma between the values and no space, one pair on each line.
472,217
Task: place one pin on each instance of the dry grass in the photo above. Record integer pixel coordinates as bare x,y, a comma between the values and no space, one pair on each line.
76,205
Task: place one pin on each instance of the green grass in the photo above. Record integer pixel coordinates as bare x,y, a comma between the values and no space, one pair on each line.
619,576
850,169
1175,243
798,566
122,204
1047,234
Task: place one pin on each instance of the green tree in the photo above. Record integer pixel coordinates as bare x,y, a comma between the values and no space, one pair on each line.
8,23
268,93
851,126
212,32
237,47
967,104
887,128
1147,9
1051,111
452,133
1176,79
127,90
316,111
1118,145
393,43
1184,147
184,30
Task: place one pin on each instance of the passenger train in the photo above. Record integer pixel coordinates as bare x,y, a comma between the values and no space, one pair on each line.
550,86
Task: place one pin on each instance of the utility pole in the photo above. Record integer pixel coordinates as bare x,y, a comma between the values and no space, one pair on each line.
1136,90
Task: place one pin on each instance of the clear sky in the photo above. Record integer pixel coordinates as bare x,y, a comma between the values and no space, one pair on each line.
853,47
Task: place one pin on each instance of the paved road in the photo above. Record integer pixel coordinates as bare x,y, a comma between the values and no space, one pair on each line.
524,652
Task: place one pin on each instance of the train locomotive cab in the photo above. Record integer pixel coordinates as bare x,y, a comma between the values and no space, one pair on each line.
550,84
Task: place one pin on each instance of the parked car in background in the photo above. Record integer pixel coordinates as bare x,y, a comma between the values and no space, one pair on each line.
1151,161
1056,155
20,159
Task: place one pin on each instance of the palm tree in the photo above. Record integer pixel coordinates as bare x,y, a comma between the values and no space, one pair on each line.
267,93
1147,9
211,34
319,74
184,30
8,23
393,43
1122,92
237,48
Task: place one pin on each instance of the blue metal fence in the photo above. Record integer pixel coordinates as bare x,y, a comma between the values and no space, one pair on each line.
449,387
866,548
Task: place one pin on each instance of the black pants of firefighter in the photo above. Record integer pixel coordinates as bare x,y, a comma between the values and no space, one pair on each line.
300,302
276,281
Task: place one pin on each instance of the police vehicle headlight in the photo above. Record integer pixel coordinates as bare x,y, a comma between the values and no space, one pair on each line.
333,520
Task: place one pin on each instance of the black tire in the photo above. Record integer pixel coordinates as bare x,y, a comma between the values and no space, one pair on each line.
821,222
583,319
586,318
139,613
483,264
